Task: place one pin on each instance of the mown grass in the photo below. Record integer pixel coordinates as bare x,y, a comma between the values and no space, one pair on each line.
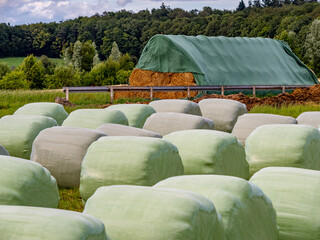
70,199
16,61
290,110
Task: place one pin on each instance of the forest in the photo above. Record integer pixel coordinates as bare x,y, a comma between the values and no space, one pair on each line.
293,21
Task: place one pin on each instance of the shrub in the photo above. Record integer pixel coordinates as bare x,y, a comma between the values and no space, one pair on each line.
4,69
64,76
14,80
123,76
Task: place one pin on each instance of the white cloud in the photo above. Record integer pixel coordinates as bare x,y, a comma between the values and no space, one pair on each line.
3,3
123,2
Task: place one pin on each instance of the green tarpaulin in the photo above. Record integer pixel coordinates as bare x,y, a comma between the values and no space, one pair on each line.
226,61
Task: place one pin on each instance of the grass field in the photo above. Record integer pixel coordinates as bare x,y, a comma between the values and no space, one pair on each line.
16,61
10,101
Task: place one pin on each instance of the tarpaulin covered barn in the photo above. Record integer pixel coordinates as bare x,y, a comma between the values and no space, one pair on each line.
176,60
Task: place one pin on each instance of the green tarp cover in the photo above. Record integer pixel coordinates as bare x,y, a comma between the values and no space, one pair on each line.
18,132
135,113
223,112
3,151
53,110
210,152
112,129
176,105
26,183
61,150
142,161
283,145
295,195
226,61
31,223
145,213
93,118
247,213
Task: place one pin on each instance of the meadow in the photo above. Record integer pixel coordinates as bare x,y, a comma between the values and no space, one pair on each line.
10,101
17,61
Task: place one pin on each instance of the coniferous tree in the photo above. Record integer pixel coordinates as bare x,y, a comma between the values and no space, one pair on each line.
241,6
256,3
115,52
76,57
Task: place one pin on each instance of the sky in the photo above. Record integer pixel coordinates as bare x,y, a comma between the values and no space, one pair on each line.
32,11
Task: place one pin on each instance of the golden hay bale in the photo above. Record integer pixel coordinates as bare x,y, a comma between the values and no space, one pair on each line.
141,77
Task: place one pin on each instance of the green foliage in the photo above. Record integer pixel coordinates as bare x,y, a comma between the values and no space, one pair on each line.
125,62
112,67
14,62
4,69
312,45
48,64
115,53
64,76
96,77
14,80
34,72
123,76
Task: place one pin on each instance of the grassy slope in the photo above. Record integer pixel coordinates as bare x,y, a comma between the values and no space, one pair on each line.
16,61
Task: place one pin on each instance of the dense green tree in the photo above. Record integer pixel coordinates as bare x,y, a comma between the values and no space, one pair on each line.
4,69
14,80
312,46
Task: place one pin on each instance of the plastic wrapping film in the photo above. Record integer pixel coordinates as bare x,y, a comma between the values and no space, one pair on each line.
3,151
18,132
309,118
283,145
247,213
48,109
93,118
112,129
145,213
248,122
30,223
176,105
168,122
26,183
61,150
140,161
295,195
223,112
135,113
210,152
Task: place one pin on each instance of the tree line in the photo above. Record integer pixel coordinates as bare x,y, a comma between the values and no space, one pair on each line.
294,21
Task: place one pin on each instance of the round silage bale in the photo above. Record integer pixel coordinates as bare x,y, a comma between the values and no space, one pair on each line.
48,109
112,129
145,213
168,122
210,152
248,122
128,160
223,112
3,151
93,118
26,183
283,145
176,105
246,212
309,118
295,195
61,150
18,132
29,223
135,113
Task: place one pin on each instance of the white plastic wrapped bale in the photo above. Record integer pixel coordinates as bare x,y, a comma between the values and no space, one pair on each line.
166,122
247,213
135,113
295,195
30,223
48,109
61,150
3,151
139,161
112,129
26,183
309,118
210,152
247,123
145,213
18,132
223,112
93,118
176,105
283,145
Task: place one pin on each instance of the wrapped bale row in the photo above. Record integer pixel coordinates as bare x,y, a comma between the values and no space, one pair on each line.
175,105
